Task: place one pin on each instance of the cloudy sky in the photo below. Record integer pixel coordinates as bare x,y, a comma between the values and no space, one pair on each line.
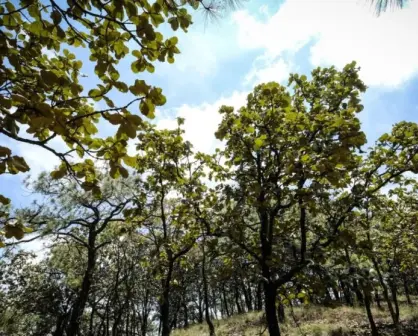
262,41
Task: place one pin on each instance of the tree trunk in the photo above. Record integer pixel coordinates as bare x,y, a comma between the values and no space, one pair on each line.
367,303
259,296
165,304
270,293
205,293
200,307
406,289
247,295
359,294
346,292
377,298
335,292
145,312
270,288
385,292
215,304
81,300
225,302
281,313
394,292
185,315
237,298
60,325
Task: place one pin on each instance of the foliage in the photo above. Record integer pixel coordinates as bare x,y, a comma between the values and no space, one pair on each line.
42,98
296,217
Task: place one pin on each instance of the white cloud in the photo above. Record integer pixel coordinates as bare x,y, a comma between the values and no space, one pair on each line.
201,122
264,9
341,31
202,50
270,70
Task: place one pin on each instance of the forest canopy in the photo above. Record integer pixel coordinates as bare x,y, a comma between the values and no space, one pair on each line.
293,208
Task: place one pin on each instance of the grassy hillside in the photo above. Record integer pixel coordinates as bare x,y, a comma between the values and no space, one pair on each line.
312,321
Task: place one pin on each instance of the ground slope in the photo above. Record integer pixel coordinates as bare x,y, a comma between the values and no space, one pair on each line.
313,321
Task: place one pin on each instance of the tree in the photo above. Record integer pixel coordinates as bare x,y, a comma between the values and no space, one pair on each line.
173,181
41,96
291,154
81,219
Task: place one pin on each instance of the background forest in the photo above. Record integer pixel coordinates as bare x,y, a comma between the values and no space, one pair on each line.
293,223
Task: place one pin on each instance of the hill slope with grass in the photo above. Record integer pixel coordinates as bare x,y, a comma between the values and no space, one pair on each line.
312,321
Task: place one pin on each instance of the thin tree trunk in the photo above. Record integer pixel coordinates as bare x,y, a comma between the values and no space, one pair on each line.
259,296
165,303
394,292
81,300
406,289
237,298
185,315
225,301
367,303
385,292
377,298
200,307
205,292
346,292
359,294
281,313
247,296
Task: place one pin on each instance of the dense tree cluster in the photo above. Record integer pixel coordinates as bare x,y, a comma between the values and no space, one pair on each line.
290,211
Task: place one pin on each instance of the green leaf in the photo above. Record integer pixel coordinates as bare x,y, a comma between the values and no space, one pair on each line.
128,129
130,160
147,108
174,22
27,229
114,119
4,151
4,200
49,77
20,164
140,88
56,17
124,172
57,174
258,143
13,231
121,86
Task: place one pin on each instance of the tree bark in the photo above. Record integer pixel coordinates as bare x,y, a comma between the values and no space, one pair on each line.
270,293
225,301
377,298
81,300
406,289
206,294
237,298
247,296
359,294
165,303
185,315
394,292
385,292
367,303
259,294
346,292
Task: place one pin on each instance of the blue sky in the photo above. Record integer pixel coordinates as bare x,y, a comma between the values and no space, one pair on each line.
222,61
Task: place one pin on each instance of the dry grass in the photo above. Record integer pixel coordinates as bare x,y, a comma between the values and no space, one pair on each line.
311,321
